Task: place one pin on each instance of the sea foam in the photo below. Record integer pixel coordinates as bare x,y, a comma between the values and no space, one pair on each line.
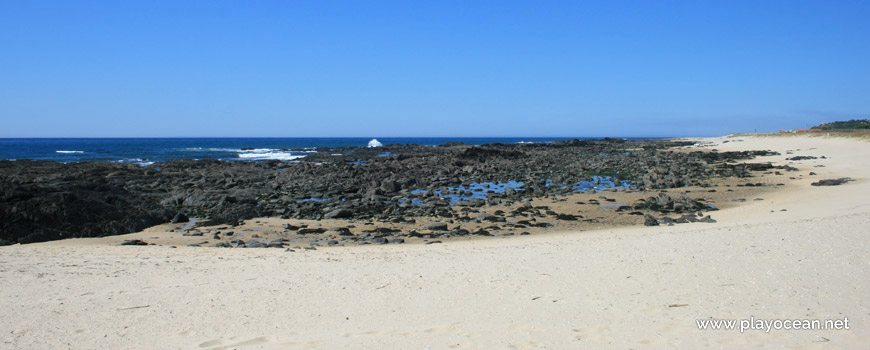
269,155
69,152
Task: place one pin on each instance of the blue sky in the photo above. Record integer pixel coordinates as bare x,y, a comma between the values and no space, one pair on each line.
429,68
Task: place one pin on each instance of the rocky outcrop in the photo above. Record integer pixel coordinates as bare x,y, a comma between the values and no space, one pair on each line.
42,201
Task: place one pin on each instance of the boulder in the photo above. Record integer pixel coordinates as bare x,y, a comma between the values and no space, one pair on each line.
339,214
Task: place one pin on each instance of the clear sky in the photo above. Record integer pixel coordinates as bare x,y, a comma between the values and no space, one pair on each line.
429,68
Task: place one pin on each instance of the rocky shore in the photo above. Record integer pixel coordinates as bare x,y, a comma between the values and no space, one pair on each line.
411,186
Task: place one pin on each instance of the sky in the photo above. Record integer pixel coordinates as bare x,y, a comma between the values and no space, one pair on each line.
429,68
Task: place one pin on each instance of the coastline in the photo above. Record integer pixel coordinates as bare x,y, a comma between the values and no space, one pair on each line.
614,287
487,190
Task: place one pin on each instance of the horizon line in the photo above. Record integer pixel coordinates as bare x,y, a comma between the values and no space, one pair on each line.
331,137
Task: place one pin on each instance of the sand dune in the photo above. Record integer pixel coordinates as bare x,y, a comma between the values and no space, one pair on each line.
797,253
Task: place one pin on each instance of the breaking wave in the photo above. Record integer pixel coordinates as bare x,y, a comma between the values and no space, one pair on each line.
269,155
375,143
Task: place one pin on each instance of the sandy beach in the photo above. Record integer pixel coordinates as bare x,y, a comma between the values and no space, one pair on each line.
795,253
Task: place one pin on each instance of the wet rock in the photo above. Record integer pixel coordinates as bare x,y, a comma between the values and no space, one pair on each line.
47,200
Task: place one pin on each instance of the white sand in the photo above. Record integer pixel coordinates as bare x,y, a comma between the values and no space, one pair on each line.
601,289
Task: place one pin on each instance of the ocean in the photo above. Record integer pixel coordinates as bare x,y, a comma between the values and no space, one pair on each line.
146,151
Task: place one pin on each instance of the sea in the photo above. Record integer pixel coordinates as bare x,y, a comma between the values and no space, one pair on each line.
147,151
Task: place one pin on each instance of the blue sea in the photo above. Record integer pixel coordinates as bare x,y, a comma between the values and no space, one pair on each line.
146,151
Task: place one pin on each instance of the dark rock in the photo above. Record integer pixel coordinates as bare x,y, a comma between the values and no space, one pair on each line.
649,220
665,203
481,232
180,218
342,231
832,182
687,218
42,201
567,217
255,244
275,244
134,242
459,232
339,214
310,231
490,217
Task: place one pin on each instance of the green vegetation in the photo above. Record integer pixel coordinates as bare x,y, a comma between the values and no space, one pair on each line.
840,125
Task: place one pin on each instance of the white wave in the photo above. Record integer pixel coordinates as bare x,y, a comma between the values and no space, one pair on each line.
68,152
274,150
212,149
246,150
270,155
375,143
137,161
